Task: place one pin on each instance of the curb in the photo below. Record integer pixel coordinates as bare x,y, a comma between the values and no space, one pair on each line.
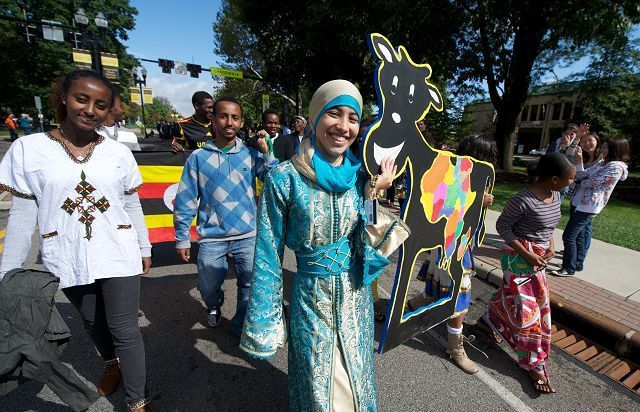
611,334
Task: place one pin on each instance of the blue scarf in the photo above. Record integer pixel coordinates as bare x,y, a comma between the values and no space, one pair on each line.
336,178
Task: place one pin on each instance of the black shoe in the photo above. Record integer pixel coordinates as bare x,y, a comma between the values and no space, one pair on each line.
562,273
213,317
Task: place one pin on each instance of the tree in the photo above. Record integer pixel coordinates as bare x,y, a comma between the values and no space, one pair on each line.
611,108
511,44
29,69
297,46
160,109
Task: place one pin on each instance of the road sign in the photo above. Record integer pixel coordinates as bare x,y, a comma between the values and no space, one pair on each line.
82,59
181,68
135,95
232,74
38,102
265,102
110,66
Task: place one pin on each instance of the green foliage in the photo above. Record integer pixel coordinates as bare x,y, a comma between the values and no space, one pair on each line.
249,94
297,46
160,109
611,93
29,70
510,45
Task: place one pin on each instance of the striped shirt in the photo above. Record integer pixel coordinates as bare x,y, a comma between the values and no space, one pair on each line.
526,216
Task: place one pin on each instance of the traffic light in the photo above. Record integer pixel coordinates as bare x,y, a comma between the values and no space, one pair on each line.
166,65
194,69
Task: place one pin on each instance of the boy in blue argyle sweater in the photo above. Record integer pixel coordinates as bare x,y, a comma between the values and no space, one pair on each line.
217,185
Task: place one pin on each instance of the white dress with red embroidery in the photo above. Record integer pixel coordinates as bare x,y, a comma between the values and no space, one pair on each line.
85,232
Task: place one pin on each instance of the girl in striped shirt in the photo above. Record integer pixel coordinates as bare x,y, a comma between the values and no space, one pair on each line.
519,311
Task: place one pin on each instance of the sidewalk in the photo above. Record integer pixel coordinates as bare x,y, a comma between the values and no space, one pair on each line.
606,295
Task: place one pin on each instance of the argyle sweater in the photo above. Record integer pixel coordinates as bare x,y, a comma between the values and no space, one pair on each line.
218,187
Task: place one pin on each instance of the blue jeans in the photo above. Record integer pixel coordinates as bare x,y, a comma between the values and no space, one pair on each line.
577,239
212,270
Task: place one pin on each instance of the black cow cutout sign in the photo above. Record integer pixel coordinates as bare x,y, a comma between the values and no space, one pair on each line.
443,206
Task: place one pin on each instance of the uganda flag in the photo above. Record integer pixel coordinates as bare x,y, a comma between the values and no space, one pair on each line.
161,172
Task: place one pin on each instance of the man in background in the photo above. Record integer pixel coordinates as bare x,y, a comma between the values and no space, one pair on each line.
282,145
299,125
10,121
112,127
193,132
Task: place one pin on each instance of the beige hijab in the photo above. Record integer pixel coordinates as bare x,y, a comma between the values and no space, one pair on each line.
321,98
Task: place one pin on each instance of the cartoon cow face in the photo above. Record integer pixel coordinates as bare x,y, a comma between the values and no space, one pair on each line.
406,97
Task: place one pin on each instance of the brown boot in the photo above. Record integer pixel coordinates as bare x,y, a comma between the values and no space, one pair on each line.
455,349
140,406
111,377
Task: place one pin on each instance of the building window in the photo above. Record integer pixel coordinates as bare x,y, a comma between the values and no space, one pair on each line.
557,108
542,112
566,110
534,112
525,114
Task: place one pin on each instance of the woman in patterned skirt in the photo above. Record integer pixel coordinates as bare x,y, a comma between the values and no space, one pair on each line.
519,311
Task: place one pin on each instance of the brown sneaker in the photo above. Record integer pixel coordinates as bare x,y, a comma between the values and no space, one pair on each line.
111,377
140,406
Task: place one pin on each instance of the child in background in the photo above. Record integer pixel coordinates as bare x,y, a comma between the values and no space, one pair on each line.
519,311
593,189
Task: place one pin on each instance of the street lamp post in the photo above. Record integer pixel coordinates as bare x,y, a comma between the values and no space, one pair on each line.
90,38
140,79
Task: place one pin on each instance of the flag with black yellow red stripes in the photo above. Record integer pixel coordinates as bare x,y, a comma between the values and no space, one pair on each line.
161,172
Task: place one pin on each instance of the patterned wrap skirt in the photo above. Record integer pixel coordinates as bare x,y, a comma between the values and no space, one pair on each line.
520,309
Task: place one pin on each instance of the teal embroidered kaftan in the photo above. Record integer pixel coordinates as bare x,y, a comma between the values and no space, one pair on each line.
294,211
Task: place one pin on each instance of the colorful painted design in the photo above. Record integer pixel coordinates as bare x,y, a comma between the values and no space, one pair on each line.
446,193
444,204
86,204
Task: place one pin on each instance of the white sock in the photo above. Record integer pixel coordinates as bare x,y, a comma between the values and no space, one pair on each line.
454,331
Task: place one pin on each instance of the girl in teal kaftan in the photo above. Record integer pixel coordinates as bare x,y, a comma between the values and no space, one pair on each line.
331,323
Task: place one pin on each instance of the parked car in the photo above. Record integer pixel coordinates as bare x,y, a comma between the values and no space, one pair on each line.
538,152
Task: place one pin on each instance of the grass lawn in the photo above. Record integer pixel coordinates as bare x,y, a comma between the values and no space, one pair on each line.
618,223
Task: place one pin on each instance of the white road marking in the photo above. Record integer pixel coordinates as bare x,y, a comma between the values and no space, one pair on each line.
511,399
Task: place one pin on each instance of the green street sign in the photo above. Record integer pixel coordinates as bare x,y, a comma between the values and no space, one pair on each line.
219,71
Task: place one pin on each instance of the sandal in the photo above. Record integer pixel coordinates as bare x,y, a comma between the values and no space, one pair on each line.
541,385
483,324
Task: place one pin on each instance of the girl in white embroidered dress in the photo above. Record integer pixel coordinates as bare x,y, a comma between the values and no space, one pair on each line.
80,189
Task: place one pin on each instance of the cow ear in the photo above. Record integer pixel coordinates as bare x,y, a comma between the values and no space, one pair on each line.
383,48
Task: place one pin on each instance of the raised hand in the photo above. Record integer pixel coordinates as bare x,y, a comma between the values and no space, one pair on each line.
261,140
583,130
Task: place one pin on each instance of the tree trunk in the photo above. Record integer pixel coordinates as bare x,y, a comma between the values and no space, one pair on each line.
505,135
533,23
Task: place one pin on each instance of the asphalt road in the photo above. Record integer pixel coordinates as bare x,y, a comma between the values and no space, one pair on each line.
192,367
